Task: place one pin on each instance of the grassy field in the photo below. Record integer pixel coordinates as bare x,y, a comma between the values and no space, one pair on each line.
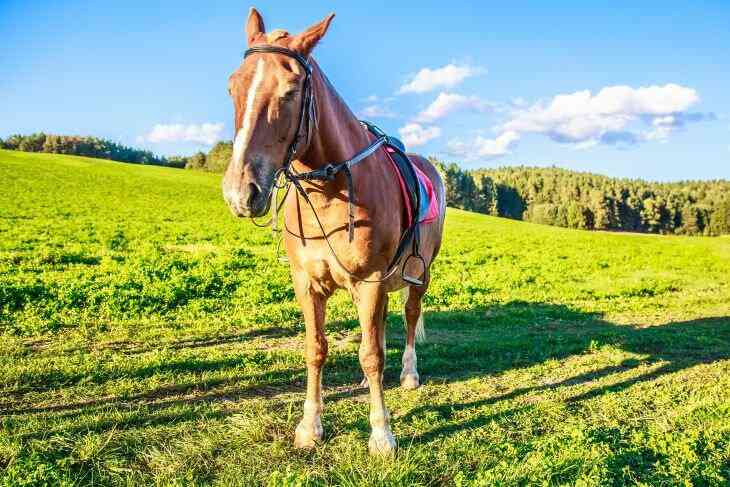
149,338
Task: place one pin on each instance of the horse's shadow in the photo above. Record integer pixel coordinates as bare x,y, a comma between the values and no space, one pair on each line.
492,341
462,344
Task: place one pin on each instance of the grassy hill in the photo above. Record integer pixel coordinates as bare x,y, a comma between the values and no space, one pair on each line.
148,337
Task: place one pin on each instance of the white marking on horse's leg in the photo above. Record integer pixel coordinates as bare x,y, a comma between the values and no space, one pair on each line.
309,430
370,308
382,441
409,378
244,134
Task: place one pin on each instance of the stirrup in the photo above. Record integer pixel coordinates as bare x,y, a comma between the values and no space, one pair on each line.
410,279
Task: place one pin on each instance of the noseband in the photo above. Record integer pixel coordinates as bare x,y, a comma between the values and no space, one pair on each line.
329,171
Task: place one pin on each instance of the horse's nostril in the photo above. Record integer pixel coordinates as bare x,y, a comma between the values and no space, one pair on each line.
253,192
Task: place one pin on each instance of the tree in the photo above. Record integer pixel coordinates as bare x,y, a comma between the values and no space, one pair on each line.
509,202
461,191
695,219
720,218
81,146
196,161
577,216
219,156
543,213
487,196
32,143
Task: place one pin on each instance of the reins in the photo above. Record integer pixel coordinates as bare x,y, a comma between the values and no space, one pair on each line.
328,173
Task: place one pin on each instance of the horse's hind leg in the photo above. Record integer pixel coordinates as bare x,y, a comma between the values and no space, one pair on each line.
413,319
313,304
370,306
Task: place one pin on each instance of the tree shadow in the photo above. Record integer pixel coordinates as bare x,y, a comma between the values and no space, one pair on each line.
491,341
42,381
129,347
462,344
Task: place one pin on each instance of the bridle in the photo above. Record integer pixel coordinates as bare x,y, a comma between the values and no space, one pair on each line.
328,172
307,96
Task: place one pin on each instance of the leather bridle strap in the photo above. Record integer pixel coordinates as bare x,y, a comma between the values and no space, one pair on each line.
306,94
328,172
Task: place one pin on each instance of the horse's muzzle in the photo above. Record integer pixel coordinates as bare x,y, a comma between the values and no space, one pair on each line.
246,200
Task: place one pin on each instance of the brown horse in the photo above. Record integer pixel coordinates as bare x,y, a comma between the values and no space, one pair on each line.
269,93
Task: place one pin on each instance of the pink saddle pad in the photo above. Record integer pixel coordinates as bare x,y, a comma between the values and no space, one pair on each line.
428,212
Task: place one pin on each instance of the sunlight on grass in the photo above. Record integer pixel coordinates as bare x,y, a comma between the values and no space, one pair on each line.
148,337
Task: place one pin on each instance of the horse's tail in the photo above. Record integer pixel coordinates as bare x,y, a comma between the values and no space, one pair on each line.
420,326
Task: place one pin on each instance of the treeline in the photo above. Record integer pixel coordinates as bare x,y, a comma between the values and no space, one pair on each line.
565,198
572,199
550,196
216,160
86,146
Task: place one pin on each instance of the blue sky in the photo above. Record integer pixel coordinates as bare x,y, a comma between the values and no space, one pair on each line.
631,89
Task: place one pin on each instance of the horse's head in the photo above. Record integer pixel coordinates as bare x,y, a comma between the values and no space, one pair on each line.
267,90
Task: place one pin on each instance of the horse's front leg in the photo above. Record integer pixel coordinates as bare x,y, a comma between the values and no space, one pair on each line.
313,304
371,301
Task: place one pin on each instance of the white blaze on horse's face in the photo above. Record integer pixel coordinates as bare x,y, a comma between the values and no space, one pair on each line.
266,93
244,134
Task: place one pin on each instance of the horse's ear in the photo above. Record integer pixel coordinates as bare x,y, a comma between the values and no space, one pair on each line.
254,26
306,41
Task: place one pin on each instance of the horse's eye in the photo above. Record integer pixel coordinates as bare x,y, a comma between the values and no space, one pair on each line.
289,95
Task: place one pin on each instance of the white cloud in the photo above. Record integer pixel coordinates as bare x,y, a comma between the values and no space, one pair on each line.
414,134
446,103
447,76
376,111
519,102
204,133
484,148
608,116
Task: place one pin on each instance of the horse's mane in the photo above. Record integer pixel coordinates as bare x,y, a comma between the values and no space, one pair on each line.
275,35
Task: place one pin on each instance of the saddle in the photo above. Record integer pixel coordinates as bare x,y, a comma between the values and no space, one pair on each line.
419,199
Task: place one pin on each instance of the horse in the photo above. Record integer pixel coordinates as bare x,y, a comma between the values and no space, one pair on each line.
289,119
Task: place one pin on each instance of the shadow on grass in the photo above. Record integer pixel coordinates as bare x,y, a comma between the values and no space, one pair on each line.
519,334
134,348
54,379
489,342
462,344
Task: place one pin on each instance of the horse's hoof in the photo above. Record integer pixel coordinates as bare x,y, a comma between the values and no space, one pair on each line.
409,381
307,436
381,442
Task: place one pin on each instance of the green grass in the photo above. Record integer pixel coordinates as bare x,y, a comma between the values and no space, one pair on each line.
150,338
